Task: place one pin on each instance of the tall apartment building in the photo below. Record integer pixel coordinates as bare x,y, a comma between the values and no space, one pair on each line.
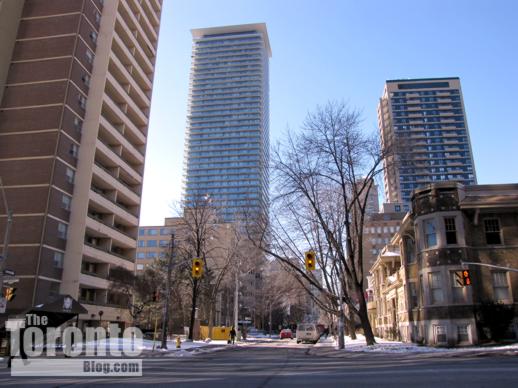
227,143
426,120
73,126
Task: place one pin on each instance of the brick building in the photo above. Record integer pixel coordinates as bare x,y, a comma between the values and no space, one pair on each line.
416,295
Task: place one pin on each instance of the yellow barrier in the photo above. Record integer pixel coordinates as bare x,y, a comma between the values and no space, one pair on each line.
218,332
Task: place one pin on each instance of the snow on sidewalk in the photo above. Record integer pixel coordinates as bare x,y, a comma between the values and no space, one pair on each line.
385,346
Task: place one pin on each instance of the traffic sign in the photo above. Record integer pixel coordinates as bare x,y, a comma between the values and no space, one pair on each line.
9,272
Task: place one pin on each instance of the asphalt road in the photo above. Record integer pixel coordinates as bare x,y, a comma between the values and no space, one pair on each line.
261,366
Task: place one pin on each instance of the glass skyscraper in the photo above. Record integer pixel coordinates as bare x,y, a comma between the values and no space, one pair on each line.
426,120
227,140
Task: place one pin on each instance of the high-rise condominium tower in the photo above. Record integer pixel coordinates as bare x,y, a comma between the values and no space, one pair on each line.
76,79
227,146
426,119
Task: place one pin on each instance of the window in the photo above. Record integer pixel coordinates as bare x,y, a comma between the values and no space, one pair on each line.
141,243
151,255
97,18
409,250
457,288
53,291
151,243
141,232
74,150
82,101
492,228
451,232
500,285
413,294
440,335
65,202
89,57
70,175
140,267
58,259
86,79
78,125
141,255
164,243
430,233
434,280
462,334
93,36
152,232
62,231
397,208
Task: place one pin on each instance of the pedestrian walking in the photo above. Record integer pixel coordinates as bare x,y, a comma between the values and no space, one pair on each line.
232,335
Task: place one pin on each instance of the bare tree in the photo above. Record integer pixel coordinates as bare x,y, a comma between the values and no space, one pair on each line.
323,175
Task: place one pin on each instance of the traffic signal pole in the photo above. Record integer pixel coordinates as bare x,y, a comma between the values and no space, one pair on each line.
490,266
165,322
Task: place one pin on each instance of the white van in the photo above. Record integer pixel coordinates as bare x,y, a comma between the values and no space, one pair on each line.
307,332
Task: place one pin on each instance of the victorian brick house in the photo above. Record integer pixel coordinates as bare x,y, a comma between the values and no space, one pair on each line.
416,290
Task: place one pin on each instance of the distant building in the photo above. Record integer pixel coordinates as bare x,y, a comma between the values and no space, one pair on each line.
416,292
378,230
153,243
227,142
424,122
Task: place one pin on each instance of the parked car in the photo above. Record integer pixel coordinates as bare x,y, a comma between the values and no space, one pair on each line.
286,333
307,332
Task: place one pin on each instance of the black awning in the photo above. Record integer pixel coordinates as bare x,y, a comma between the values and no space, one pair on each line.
63,309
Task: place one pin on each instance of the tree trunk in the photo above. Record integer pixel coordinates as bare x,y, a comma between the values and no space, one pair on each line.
193,309
211,318
351,325
364,319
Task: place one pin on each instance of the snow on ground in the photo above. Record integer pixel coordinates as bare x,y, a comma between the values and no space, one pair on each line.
385,346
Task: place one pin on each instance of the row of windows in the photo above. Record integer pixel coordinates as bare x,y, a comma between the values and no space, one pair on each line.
194,164
217,117
451,92
155,232
434,119
236,122
427,105
381,229
430,112
254,110
431,126
218,42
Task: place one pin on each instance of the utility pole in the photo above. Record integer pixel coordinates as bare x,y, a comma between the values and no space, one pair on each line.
7,235
236,302
167,298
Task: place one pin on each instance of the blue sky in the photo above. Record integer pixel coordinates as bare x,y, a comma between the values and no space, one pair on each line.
345,50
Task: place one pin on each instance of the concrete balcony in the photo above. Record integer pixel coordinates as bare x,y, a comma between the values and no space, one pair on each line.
89,281
135,87
118,161
122,117
119,137
124,96
110,207
141,35
106,257
145,16
122,50
131,41
152,14
109,232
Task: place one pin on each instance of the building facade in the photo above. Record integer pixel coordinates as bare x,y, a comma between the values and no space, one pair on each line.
378,230
74,118
424,129
416,280
227,142
153,243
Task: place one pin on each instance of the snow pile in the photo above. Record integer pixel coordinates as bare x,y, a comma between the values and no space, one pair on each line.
386,346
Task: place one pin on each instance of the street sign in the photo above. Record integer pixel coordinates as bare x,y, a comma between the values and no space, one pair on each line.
9,272
3,304
10,280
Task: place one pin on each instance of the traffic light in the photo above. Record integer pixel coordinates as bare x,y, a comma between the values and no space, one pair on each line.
466,279
9,293
309,258
197,268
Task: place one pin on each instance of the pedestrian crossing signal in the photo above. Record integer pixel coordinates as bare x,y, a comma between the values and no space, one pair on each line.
197,268
310,260
466,279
